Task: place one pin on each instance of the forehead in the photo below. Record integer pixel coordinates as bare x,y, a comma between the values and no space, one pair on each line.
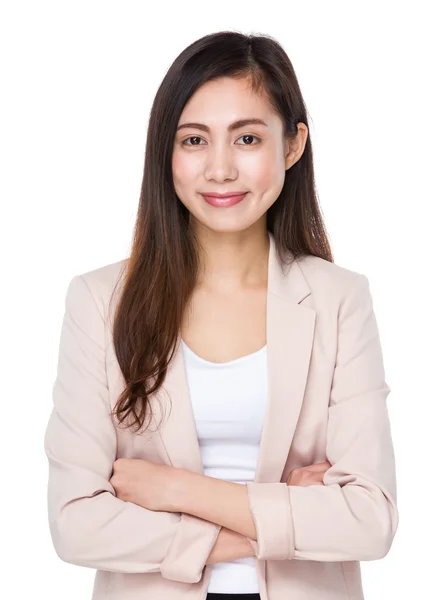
220,102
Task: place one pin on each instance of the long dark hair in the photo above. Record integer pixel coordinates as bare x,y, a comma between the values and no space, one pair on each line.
161,271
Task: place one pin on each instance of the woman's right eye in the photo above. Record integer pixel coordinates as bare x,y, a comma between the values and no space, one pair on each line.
193,137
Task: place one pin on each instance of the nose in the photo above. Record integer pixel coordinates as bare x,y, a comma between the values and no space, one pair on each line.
220,165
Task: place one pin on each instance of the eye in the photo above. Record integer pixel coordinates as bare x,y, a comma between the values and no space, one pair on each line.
196,137
248,135
193,137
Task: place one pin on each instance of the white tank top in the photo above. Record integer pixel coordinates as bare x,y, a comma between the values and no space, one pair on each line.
229,404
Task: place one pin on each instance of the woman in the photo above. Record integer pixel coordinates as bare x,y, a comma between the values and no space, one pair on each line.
273,474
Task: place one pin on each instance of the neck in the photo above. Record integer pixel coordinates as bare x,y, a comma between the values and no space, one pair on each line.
234,261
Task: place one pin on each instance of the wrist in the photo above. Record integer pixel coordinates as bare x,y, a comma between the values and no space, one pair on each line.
229,546
177,489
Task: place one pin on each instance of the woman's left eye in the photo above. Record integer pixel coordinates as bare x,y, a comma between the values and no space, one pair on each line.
249,136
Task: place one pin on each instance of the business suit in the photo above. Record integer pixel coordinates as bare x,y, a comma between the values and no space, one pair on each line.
327,401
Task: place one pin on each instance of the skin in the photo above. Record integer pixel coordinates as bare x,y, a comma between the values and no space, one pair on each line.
236,244
235,238
161,487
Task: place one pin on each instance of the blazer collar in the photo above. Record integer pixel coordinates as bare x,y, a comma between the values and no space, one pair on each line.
289,335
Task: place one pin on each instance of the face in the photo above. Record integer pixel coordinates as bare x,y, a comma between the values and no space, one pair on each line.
251,158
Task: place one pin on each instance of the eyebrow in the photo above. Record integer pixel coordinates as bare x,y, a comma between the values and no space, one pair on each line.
231,127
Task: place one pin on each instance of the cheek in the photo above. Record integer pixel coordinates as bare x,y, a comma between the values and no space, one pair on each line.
265,172
183,170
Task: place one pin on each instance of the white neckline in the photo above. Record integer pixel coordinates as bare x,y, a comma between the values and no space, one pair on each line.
222,364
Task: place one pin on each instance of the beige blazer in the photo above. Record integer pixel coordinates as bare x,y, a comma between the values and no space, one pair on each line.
327,401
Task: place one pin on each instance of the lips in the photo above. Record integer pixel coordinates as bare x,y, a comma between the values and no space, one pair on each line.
221,200
223,195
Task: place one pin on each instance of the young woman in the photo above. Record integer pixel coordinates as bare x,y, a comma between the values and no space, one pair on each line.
272,475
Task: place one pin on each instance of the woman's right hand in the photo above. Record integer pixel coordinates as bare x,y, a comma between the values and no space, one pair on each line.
310,475
231,545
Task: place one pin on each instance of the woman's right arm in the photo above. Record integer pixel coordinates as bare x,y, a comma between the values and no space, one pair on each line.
89,525
231,545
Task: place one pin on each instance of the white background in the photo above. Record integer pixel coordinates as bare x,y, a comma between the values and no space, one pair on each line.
78,79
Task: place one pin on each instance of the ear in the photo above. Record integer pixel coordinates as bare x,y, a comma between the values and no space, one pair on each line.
296,146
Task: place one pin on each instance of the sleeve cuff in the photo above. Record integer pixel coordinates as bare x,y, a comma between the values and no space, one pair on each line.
270,508
188,552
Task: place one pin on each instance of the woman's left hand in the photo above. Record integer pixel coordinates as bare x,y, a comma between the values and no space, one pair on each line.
150,485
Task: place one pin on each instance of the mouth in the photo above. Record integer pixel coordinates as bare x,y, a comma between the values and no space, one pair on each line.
224,201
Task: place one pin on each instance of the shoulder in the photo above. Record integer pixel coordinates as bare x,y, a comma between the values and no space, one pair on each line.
321,271
96,286
330,280
102,280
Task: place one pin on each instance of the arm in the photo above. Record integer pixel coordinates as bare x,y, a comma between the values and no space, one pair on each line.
216,500
354,515
89,525
229,546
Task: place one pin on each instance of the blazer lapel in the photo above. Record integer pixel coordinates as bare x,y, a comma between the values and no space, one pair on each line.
289,334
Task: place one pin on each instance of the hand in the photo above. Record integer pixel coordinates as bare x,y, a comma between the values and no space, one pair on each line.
310,475
150,485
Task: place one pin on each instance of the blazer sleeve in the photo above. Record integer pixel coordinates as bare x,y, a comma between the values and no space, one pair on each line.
354,515
89,525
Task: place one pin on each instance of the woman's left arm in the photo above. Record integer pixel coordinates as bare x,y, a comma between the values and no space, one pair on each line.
161,487
354,516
